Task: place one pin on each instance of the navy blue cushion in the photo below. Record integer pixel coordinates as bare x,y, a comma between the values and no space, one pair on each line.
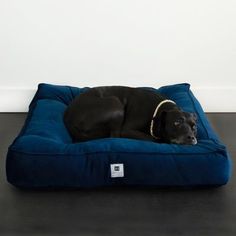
43,154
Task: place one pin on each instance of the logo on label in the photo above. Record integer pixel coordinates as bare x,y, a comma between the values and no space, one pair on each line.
117,170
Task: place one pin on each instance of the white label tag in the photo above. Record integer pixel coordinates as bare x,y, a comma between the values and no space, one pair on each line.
117,170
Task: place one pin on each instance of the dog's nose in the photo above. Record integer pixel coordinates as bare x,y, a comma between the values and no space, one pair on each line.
192,139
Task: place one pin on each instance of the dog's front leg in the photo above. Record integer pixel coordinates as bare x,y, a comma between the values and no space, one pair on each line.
135,134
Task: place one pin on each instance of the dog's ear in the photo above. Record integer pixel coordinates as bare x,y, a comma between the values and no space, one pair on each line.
160,117
160,125
159,121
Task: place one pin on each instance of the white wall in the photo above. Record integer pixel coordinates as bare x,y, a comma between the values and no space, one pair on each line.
125,42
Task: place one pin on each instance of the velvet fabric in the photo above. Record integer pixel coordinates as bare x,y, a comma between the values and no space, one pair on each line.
43,155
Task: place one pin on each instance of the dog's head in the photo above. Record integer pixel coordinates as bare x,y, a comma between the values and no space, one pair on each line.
176,126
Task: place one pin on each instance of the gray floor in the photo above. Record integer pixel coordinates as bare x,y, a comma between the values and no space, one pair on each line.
120,211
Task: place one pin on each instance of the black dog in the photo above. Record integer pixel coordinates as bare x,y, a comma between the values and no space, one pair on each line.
139,113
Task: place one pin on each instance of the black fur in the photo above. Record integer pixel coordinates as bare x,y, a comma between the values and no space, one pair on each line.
118,111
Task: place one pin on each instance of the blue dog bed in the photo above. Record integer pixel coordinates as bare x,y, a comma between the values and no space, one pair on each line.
43,154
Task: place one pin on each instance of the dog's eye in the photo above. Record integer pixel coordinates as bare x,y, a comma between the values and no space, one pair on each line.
179,122
194,127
